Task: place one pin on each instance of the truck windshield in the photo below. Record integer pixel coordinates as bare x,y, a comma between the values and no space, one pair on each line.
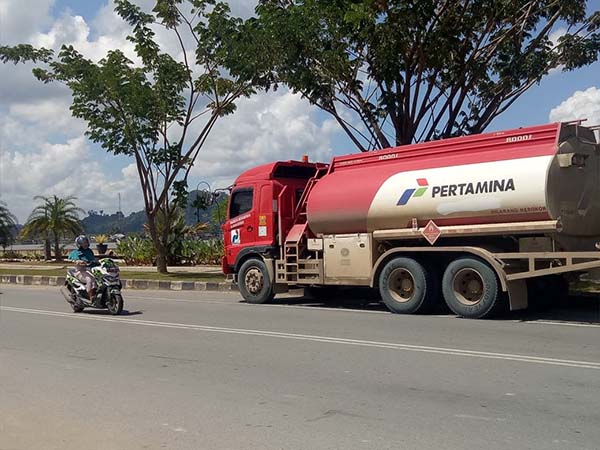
241,202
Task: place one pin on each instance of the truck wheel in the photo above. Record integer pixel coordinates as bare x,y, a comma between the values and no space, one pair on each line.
406,287
470,288
254,282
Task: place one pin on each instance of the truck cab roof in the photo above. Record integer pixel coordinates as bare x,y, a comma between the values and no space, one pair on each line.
279,169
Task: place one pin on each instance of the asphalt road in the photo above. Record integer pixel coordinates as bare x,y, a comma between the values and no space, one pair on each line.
201,370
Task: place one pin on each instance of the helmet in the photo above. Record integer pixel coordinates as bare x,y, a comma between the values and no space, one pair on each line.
79,240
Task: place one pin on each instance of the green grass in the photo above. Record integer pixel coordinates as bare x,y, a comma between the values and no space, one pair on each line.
127,274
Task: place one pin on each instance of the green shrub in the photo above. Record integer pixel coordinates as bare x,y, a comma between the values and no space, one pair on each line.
194,252
136,250
11,255
35,256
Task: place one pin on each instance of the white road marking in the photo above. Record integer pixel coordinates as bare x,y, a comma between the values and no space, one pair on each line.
566,324
468,416
326,308
315,338
487,419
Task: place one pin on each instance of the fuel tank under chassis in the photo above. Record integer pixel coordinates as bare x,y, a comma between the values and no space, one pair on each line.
527,174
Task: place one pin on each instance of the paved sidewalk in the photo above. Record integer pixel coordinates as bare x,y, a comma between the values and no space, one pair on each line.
42,280
191,269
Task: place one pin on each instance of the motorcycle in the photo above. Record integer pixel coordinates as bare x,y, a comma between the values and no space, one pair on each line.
108,294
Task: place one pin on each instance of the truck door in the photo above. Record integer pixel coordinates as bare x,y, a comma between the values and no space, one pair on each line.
240,230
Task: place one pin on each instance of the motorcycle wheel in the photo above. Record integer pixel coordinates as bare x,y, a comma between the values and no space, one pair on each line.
115,304
75,305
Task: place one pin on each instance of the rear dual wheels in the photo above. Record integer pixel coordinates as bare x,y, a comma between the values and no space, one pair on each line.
471,288
408,287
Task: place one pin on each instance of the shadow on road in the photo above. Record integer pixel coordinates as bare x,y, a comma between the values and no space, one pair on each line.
572,309
104,312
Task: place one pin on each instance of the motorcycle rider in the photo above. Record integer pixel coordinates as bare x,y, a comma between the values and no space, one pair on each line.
83,258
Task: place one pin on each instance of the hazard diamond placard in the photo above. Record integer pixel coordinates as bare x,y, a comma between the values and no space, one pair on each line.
431,232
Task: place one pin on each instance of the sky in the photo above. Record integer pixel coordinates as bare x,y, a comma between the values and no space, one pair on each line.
43,150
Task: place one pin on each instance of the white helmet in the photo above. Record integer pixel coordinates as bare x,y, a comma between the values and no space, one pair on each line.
79,240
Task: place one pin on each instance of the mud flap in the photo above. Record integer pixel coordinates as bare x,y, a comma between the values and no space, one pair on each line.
517,294
278,288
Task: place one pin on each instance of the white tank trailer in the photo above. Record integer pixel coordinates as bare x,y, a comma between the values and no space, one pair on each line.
550,172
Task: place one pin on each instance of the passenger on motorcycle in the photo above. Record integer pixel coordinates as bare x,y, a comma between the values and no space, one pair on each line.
83,258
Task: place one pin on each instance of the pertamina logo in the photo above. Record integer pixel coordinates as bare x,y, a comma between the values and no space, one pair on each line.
457,189
416,192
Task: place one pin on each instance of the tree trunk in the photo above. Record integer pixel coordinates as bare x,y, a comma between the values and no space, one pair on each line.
161,251
47,249
161,259
57,253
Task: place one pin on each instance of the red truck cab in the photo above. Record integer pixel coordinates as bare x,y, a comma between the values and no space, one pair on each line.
262,209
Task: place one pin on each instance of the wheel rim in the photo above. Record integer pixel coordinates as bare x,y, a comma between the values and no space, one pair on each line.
469,287
113,303
254,281
401,285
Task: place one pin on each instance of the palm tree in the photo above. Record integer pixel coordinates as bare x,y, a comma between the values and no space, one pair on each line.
7,225
178,231
54,218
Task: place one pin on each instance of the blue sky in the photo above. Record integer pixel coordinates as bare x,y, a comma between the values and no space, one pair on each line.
42,146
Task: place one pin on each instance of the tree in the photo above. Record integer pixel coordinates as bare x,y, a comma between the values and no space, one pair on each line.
214,207
55,218
178,231
219,212
8,223
145,109
394,72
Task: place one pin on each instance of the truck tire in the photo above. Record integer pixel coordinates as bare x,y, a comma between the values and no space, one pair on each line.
406,287
254,282
470,288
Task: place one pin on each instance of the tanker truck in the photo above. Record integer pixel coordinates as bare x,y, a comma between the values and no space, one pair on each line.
483,222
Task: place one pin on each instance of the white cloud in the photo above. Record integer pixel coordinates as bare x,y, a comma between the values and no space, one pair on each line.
48,115
43,150
19,19
580,105
64,169
265,128
74,30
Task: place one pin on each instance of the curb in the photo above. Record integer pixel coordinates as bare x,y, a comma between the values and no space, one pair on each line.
42,280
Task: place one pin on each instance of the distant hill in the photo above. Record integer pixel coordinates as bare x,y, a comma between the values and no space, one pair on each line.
97,222
100,223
